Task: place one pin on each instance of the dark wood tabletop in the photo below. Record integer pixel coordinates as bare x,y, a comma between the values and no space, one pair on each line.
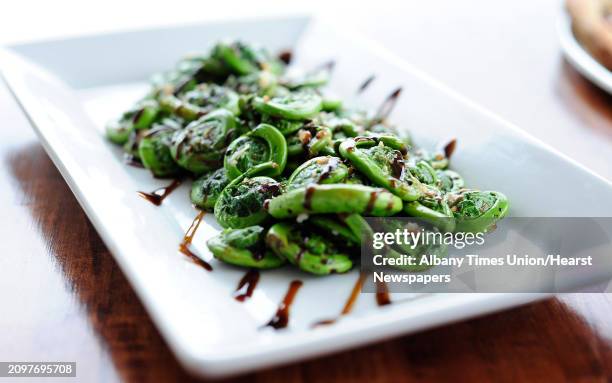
64,298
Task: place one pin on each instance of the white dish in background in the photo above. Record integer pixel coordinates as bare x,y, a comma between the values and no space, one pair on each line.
70,88
580,58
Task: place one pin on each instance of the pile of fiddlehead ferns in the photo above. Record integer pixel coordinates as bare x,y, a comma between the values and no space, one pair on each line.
289,171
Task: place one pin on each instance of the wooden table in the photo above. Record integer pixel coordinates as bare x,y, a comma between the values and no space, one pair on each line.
64,298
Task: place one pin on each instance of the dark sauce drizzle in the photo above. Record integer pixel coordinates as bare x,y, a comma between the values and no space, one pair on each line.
137,115
371,202
397,166
348,305
182,85
310,190
364,85
449,148
247,285
281,318
157,196
286,56
382,294
387,106
389,206
328,66
332,163
130,160
188,238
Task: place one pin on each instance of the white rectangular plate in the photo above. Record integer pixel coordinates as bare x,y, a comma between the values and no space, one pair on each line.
70,88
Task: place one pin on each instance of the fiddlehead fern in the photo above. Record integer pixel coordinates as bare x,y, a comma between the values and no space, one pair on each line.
244,247
263,144
201,145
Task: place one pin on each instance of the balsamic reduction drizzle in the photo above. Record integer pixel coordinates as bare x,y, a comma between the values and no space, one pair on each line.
329,168
449,148
364,85
157,196
247,285
371,202
327,66
348,305
382,294
130,160
310,190
387,106
281,318
188,238
286,56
